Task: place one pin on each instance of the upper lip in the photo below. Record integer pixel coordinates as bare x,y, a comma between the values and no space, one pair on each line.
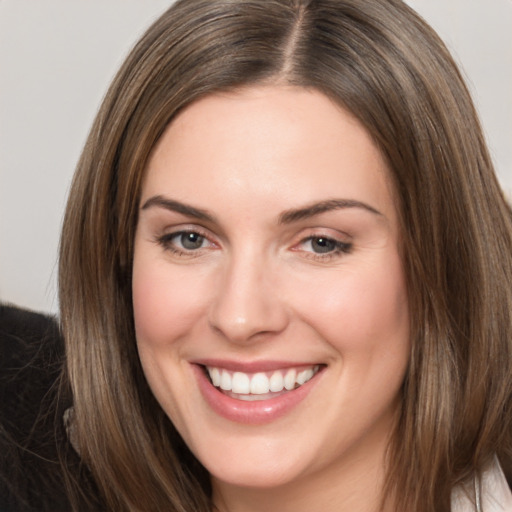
253,366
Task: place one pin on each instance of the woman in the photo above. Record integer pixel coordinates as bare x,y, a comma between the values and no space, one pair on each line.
284,270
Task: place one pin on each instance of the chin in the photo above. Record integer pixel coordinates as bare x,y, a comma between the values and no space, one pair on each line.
256,461
269,476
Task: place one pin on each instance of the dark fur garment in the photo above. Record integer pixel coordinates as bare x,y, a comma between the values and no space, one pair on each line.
32,435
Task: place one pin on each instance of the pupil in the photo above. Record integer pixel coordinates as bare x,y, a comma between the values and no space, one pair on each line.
191,240
322,245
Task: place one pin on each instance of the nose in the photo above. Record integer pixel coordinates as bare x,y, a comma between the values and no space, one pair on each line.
247,306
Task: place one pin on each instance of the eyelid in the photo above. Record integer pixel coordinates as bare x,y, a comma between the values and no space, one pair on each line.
322,232
342,244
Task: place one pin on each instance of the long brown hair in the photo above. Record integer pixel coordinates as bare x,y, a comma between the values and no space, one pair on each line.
383,63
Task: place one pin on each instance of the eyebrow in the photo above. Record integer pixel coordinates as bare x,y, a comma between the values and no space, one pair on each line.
313,209
287,217
176,206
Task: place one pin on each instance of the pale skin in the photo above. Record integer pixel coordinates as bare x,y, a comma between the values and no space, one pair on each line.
268,232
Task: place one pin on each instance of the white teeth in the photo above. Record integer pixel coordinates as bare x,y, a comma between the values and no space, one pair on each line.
304,376
260,383
215,376
289,379
276,382
240,383
225,381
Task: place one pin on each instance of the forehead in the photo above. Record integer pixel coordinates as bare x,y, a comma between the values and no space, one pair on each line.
270,143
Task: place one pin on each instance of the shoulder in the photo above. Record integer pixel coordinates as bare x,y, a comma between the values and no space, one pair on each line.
31,356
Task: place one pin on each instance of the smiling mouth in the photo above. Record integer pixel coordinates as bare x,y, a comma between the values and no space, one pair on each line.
259,385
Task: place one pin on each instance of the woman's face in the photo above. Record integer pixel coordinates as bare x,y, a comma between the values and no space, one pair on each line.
269,296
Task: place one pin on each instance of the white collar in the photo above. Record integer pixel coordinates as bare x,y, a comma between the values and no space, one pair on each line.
493,494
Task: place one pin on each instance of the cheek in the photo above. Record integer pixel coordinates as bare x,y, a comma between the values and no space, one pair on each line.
165,302
167,307
361,308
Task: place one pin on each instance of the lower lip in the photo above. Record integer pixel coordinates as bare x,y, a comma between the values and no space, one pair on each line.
251,412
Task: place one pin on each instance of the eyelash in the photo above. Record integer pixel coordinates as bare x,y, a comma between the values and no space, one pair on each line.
339,248
166,241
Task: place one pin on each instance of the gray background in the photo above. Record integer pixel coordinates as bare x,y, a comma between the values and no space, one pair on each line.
56,60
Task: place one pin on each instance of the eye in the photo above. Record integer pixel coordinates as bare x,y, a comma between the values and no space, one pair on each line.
324,246
184,242
189,240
